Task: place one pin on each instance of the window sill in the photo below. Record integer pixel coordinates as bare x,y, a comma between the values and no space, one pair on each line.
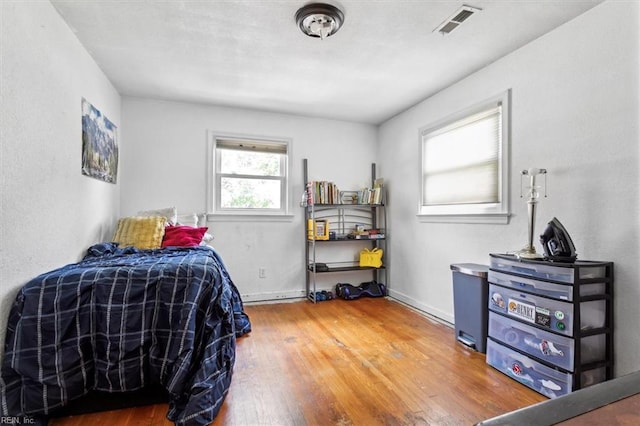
261,217
487,218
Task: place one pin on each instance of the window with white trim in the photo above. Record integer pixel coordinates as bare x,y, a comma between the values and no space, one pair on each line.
248,176
464,165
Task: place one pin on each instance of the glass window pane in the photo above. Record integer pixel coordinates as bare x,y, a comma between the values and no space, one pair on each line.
249,163
241,193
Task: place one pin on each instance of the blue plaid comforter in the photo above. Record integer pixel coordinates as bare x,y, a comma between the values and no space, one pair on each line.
122,319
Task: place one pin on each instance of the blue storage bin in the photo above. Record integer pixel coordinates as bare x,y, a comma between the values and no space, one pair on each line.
555,349
543,288
550,314
545,380
547,271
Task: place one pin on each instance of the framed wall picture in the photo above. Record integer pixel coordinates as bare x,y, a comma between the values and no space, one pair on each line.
99,145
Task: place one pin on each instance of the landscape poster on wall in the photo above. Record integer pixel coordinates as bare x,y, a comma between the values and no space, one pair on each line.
99,145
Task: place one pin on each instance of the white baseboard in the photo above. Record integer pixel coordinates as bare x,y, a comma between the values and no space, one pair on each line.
294,295
273,296
430,310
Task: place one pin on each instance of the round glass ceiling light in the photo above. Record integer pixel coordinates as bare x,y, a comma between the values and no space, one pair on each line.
319,20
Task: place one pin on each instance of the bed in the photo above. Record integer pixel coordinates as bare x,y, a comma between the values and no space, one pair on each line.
120,320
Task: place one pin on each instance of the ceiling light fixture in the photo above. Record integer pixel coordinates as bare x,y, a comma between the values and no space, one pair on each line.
319,20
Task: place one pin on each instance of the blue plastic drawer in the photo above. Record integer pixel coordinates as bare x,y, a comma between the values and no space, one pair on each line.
540,378
547,271
554,315
558,291
558,350
549,347
547,313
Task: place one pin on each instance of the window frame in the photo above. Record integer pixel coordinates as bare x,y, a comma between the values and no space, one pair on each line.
214,178
494,213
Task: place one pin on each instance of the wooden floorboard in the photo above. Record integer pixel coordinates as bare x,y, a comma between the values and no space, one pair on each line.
361,362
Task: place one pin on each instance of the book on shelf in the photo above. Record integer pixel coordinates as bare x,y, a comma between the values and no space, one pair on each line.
369,237
373,195
366,234
322,192
378,191
325,192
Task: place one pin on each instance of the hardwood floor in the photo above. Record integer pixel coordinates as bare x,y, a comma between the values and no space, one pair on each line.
361,362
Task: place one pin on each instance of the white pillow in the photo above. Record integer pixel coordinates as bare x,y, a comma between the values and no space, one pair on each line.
171,213
197,221
190,219
202,219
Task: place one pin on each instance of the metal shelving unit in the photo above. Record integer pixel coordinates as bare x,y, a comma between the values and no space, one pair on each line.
343,219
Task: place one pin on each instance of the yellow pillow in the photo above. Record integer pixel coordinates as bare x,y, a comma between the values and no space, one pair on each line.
140,232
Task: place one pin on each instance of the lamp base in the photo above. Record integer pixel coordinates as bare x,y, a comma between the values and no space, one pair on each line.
528,253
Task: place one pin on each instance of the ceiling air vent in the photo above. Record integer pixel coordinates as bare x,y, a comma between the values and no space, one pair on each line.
452,22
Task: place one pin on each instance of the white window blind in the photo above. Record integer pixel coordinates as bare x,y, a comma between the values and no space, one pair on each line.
464,165
249,145
461,161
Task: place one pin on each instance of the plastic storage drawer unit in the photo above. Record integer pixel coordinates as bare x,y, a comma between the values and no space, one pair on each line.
544,288
549,347
546,313
551,323
545,380
547,270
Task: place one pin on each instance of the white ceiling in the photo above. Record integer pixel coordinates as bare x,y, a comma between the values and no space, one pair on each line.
251,54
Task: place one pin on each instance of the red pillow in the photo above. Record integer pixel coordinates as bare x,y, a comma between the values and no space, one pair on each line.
183,236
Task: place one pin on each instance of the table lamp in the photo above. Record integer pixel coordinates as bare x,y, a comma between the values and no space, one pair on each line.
529,251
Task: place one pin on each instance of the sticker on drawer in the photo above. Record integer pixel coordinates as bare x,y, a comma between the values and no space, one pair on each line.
543,317
529,312
522,310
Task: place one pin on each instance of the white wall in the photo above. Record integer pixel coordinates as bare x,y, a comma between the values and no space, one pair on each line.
164,164
575,112
50,213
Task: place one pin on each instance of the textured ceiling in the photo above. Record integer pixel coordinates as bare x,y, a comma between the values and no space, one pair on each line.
251,54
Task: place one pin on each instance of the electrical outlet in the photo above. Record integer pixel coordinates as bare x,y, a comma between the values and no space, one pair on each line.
262,273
